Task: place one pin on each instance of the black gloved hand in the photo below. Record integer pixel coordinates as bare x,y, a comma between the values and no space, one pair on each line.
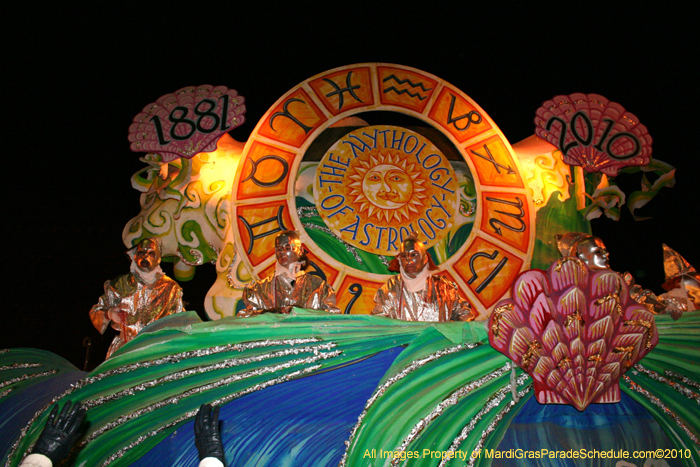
206,433
59,434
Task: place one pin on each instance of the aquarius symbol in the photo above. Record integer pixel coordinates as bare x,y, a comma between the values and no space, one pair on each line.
404,91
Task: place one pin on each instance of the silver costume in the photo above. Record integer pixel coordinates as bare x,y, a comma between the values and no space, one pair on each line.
439,301
144,304
278,291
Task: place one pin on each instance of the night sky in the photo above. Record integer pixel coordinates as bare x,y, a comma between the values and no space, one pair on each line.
75,78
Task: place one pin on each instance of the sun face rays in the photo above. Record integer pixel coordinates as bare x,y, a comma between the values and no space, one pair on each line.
377,181
386,187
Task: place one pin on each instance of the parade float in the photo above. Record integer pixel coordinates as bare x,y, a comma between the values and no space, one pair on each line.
561,363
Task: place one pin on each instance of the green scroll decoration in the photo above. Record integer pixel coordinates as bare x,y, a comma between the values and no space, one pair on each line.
185,203
604,196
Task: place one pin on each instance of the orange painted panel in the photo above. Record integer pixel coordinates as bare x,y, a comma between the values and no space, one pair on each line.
330,272
488,270
344,90
258,225
494,164
293,119
365,302
506,216
265,172
458,116
405,88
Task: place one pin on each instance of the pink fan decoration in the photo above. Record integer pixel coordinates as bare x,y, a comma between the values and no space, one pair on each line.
575,331
186,122
594,133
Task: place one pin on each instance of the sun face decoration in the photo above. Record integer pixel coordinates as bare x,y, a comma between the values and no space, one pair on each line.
378,183
387,187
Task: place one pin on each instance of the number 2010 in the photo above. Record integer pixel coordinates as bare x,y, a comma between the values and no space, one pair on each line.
588,139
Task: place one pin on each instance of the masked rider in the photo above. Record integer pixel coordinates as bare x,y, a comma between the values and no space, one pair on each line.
133,301
289,285
682,281
417,294
591,250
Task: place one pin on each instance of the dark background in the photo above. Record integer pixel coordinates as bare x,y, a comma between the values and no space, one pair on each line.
75,77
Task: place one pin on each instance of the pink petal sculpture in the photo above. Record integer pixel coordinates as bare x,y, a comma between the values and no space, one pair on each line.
594,133
187,121
575,331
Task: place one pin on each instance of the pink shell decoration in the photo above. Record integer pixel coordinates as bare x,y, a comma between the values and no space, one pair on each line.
574,330
593,133
186,122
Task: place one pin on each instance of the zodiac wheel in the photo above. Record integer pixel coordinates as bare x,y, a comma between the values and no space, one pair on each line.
357,157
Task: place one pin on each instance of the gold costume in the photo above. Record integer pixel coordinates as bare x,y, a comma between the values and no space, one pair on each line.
439,301
307,291
141,303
